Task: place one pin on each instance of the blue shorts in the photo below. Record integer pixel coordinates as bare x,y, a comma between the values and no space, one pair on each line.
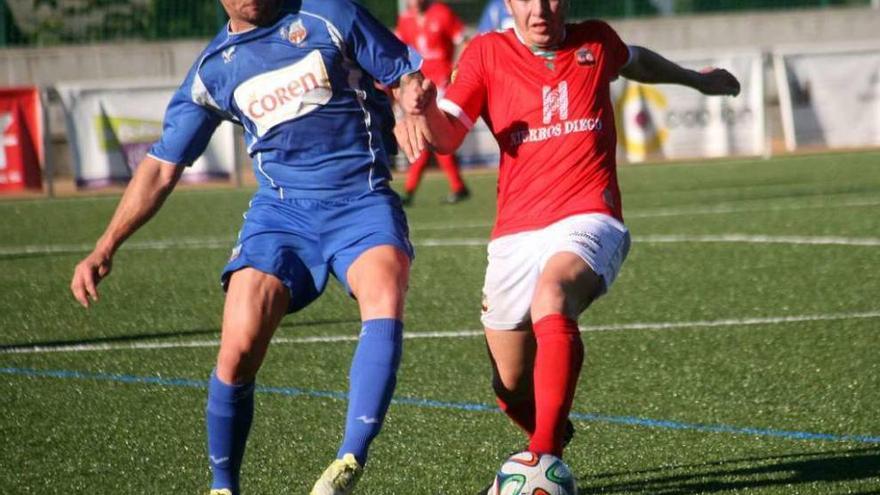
301,241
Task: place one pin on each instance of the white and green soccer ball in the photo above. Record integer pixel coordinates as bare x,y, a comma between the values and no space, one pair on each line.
528,473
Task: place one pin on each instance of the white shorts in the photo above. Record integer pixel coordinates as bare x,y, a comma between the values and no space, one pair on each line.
517,260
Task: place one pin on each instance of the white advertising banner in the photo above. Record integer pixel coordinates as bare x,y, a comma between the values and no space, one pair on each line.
675,122
829,97
112,126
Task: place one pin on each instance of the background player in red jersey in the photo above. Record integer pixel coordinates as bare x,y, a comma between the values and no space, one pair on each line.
433,29
558,241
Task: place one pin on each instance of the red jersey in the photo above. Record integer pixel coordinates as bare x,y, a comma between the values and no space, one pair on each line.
552,116
434,35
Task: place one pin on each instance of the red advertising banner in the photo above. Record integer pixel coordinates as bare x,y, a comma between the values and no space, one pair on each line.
21,144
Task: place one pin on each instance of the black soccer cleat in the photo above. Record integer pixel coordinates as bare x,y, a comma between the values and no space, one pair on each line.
458,196
569,433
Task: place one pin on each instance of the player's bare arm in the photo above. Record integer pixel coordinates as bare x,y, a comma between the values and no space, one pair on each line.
650,67
152,182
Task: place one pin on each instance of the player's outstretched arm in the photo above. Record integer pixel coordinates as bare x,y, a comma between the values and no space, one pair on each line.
649,67
152,182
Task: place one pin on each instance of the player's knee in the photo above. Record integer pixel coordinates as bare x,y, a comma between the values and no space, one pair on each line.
383,297
384,292
238,361
235,368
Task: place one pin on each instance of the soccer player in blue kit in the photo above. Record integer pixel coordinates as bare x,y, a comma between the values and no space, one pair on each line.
299,76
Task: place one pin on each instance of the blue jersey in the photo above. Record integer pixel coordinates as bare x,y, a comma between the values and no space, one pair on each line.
495,17
303,89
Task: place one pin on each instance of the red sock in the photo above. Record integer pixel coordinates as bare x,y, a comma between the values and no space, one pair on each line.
520,412
450,168
558,361
414,174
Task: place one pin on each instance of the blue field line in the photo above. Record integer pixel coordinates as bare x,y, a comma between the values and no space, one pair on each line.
459,406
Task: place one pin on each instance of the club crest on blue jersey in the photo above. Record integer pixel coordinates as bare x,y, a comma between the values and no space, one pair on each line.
228,54
296,33
585,56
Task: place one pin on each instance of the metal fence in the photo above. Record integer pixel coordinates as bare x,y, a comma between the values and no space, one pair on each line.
53,22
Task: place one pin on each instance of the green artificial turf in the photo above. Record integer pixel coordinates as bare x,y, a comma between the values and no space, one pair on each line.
743,328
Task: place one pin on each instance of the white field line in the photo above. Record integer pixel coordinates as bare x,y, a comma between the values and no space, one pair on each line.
717,238
217,243
654,213
672,325
677,212
762,239
726,209
158,245
108,196
224,243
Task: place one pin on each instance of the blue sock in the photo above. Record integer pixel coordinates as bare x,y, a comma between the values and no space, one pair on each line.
228,417
372,379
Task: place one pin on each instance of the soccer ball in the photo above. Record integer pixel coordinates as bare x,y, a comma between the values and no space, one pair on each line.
528,473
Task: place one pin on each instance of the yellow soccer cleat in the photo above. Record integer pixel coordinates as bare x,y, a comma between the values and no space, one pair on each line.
339,478
222,491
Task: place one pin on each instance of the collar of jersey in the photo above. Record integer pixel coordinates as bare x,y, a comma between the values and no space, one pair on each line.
238,33
285,10
548,54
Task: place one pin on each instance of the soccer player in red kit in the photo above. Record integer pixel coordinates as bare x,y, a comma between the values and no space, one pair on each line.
433,29
559,238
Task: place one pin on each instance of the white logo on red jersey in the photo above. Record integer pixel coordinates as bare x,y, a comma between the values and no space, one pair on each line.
6,121
556,101
285,94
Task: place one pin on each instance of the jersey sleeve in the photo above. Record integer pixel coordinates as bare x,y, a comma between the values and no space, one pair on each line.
378,50
617,52
187,127
465,97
